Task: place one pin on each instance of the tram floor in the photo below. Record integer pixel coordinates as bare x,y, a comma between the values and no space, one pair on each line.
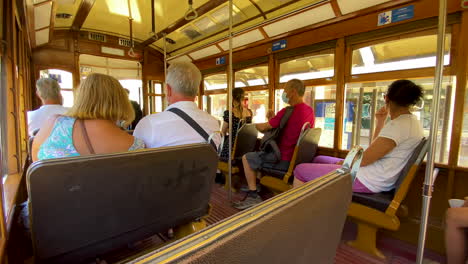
396,251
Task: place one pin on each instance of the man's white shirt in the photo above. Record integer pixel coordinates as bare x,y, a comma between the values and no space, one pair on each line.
168,129
37,118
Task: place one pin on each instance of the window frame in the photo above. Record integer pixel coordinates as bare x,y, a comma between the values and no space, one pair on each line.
405,73
311,82
153,95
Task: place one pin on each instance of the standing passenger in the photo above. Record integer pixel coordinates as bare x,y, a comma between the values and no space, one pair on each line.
90,126
170,129
48,90
254,161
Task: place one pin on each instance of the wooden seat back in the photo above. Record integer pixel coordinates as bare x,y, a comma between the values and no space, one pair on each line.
84,206
266,234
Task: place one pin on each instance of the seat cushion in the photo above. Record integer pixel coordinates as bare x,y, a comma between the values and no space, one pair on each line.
326,159
309,171
378,201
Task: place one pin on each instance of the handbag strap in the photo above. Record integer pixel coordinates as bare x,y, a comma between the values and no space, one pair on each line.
85,136
193,124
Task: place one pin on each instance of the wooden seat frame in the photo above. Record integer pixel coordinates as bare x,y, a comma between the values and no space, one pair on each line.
369,220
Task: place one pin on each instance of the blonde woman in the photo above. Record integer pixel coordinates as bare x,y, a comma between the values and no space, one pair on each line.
90,126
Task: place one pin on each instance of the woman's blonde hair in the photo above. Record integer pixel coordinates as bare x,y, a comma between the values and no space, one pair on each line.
101,96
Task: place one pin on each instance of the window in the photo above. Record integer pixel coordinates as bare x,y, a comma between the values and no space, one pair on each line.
217,104
463,156
323,100
251,77
308,67
65,80
402,54
134,87
156,97
257,102
216,81
363,99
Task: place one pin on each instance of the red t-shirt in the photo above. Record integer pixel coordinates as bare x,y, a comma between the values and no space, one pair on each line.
301,114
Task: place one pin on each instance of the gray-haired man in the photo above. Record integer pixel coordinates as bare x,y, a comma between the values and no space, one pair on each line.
48,90
169,128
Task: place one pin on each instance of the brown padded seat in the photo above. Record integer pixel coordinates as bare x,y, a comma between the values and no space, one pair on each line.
84,206
302,225
307,147
381,201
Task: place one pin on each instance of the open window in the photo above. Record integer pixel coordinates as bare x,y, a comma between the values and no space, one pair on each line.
308,67
411,52
65,80
215,94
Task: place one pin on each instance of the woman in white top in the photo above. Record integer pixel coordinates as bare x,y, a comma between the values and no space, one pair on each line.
393,141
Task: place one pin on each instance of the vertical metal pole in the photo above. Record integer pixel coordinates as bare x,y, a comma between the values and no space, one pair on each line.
445,127
230,83
164,102
373,108
358,117
3,121
428,181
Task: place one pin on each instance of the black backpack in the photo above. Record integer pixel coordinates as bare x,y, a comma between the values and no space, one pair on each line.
268,143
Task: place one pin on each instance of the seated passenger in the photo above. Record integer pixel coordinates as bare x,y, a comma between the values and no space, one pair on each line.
392,145
168,128
137,109
48,90
90,126
255,161
456,224
241,115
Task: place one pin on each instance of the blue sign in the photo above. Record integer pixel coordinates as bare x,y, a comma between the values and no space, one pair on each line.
396,15
279,45
221,60
403,13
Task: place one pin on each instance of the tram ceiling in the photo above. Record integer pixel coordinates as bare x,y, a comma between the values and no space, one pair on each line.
112,17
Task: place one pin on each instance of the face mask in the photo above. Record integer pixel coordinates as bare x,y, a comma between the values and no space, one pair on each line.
285,98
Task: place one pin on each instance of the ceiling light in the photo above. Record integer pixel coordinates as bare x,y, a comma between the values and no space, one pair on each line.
120,7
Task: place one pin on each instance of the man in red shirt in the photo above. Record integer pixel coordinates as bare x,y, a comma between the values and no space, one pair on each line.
254,161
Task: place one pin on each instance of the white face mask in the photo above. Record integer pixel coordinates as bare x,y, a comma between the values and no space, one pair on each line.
285,98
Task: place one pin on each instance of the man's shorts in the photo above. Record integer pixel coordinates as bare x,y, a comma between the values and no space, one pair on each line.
259,160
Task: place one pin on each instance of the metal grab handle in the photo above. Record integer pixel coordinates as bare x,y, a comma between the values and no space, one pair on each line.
191,13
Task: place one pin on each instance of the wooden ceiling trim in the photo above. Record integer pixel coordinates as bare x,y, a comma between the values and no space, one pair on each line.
218,46
82,13
259,9
264,34
42,28
336,8
205,8
43,3
52,20
188,55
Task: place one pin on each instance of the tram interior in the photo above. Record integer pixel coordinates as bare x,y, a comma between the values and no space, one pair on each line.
346,53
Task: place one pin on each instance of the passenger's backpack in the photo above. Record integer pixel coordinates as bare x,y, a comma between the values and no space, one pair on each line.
268,143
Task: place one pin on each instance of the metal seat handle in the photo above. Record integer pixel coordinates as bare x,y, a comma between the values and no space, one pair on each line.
352,162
